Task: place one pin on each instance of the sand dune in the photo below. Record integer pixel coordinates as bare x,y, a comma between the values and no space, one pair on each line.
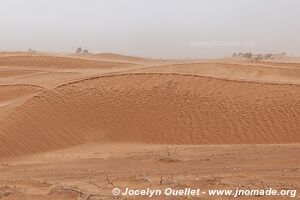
115,57
11,92
223,123
56,102
12,96
154,108
56,62
7,73
49,71
258,72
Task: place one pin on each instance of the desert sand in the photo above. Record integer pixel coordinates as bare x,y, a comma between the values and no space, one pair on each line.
76,126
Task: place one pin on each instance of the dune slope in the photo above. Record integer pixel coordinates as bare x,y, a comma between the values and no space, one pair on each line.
153,108
11,92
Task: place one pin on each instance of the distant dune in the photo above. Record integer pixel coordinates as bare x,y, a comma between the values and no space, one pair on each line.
55,61
249,72
114,57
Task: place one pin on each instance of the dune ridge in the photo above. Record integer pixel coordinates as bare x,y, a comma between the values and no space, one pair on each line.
114,57
154,109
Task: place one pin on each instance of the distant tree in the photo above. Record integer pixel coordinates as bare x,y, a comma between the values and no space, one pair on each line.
268,56
249,55
283,54
79,50
85,51
234,55
31,51
258,57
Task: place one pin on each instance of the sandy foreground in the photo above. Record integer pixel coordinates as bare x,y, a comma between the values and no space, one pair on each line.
75,127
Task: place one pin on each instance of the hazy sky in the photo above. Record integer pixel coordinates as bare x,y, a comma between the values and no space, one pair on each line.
152,28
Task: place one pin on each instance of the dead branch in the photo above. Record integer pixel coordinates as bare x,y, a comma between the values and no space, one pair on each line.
111,182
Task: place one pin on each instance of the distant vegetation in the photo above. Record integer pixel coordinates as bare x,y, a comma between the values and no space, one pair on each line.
79,50
259,57
31,51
